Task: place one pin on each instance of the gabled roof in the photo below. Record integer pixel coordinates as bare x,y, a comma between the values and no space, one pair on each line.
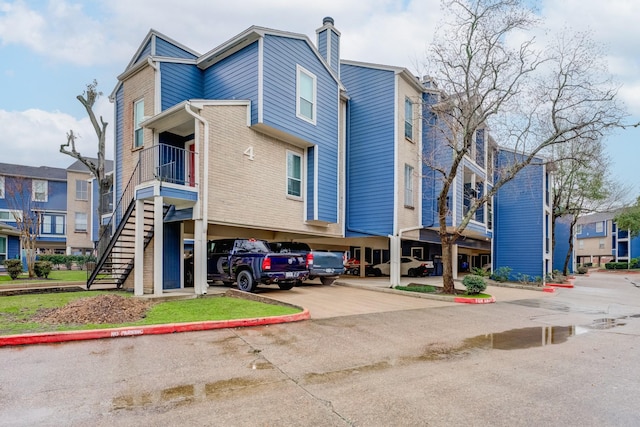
38,172
596,217
403,72
249,36
78,166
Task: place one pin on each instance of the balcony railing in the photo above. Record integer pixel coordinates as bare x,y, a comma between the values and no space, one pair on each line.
166,163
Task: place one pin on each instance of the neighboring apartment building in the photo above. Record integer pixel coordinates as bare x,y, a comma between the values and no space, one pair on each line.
598,240
61,202
273,137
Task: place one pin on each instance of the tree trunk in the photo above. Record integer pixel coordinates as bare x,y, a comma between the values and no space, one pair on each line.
565,269
447,265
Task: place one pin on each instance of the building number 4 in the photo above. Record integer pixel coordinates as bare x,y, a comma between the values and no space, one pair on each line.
249,152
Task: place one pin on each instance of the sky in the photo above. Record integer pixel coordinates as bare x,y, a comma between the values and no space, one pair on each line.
51,49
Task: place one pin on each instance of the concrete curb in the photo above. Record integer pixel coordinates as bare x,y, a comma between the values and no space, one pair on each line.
474,300
418,294
130,331
561,285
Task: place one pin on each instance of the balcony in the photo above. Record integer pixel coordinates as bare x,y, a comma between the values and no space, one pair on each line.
168,171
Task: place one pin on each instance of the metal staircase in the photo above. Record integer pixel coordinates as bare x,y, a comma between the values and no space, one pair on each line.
116,250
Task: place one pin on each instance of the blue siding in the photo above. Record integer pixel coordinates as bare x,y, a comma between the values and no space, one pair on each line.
165,48
561,248
335,51
119,149
179,82
235,77
310,197
635,247
322,43
281,55
370,150
519,221
57,196
589,230
13,247
146,51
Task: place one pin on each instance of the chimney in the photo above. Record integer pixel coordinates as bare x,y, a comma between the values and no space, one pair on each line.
329,44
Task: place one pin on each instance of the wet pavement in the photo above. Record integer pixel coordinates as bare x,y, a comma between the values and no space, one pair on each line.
562,359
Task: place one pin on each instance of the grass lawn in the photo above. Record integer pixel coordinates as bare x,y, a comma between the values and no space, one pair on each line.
428,289
16,311
54,276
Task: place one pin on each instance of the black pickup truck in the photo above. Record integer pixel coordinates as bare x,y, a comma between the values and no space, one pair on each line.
250,261
326,265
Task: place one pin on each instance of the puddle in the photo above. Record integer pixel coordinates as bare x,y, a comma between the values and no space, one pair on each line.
607,323
516,339
555,306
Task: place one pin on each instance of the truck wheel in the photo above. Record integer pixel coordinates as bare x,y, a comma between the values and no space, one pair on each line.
245,281
327,280
377,272
286,286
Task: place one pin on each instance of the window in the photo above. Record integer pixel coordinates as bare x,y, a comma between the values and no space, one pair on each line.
408,119
601,244
579,229
39,191
408,186
1,187
6,215
490,213
580,244
82,190
306,95
52,224
81,221
294,174
3,248
479,151
138,117
599,227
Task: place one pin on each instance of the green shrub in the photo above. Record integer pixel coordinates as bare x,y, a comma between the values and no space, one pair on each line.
616,266
588,264
476,271
582,269
501,274
635,262
474,284
14,267
68,261
42,268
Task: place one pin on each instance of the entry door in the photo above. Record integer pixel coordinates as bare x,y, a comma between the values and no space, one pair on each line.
172,258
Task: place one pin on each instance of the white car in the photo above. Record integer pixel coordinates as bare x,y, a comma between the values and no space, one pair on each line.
409,266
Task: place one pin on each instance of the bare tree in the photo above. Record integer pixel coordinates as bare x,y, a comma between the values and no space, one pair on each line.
97,169
530,99
26,211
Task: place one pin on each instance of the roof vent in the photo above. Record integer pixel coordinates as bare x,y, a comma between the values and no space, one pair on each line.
327,20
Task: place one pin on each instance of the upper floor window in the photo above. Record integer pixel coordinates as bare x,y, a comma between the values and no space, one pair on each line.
306,90
580,244
81,221
1,187
39,190
7,215
52,224
138,117
599,227
408,186
601,244
579,229
82,190
408,119
294,174
479,148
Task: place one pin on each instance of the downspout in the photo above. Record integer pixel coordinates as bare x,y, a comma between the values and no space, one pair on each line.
200,268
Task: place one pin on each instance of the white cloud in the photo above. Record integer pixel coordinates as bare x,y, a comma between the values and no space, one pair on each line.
33,137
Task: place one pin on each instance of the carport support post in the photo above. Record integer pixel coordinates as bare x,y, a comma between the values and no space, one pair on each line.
454,260
138,274
363,272
200,257
394,264
158,243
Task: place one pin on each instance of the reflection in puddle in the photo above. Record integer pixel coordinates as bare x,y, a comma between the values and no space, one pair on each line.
521,338
606,323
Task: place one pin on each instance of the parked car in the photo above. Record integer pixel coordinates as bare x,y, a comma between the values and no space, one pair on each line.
326,265
352,267
409,266
251,261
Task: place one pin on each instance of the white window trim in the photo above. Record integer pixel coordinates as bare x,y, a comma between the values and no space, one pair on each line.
408,120
314,104
408,186
302,189
2,192
86,189
599,223
578,228
33,190
86,222
136,123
